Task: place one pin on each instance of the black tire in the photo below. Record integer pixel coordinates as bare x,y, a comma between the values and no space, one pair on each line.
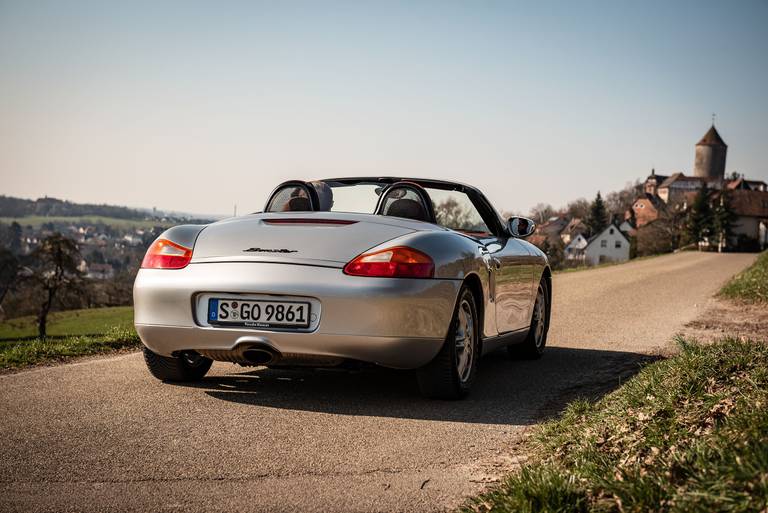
533,346
187,367
449,375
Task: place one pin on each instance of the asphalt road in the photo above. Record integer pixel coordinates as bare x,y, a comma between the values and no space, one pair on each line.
102,435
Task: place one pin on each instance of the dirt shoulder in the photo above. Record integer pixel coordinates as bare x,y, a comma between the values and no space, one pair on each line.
728,318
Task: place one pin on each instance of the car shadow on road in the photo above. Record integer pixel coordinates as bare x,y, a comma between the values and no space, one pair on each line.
506,391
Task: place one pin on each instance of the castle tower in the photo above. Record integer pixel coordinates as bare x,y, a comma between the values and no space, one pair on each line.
710,156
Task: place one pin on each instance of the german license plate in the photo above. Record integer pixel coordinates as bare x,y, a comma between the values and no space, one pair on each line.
258,313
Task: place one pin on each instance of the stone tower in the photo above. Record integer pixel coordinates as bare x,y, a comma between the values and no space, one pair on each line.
710,156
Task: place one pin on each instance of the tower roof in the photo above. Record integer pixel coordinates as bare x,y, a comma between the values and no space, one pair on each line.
711,138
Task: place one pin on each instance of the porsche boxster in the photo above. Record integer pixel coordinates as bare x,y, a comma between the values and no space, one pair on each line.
397,272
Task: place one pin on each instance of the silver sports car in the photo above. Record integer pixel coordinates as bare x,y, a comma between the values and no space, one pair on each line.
398,272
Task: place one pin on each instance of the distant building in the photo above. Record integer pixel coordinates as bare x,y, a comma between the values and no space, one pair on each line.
573,229
678,191
750,210
574,251
652,183
646,209
610,245
742,184
552,227
709,162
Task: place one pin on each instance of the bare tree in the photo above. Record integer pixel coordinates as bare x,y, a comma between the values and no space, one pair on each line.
9,273
618,202
663,235
451,214
541,212
578,208
55,271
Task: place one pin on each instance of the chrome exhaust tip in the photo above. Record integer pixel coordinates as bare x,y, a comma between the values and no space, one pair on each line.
259,356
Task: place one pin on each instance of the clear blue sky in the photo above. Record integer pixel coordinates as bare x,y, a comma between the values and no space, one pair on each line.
196,106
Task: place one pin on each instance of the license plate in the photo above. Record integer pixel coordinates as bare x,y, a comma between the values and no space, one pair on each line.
258,313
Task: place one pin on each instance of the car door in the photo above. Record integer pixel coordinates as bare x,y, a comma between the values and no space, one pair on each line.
513,276
510,263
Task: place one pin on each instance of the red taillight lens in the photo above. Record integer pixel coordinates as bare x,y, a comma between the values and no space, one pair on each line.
164,254
397,262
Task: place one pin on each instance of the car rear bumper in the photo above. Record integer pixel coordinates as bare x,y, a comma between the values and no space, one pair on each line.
399,323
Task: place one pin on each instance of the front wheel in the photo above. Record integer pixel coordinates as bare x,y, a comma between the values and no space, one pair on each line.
533,346
451,373
186,367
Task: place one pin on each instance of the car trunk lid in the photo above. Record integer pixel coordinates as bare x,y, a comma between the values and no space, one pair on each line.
313,238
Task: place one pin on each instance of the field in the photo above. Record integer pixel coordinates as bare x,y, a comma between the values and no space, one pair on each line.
37,221
94,321
72,333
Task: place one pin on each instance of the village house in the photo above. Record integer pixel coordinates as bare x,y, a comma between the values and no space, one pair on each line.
646,209
573,229
574,251
610,245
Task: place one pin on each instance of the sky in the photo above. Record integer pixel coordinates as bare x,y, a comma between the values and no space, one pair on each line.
198,106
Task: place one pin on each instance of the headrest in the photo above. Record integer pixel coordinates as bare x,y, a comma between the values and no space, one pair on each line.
409,209
298,205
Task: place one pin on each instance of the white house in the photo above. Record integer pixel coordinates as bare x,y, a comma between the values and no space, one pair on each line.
610,245
575,249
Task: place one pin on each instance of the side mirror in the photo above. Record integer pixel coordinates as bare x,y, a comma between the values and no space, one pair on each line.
520,227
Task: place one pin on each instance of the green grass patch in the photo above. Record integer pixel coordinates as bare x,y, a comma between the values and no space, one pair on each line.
37,221
689,433
750,285
92,321
22,353
70,333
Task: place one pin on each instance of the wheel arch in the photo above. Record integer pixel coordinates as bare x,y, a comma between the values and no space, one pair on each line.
547,278
475,286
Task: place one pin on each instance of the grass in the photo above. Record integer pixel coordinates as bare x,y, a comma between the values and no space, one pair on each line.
37,221
72,333
750,285
93,321
689,433
22,353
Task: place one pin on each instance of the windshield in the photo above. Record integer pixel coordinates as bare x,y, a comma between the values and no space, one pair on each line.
359,198
453,209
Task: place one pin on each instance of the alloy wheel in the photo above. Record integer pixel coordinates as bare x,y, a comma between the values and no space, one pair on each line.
464,340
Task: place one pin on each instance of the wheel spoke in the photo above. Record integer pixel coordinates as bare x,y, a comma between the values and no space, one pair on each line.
464,341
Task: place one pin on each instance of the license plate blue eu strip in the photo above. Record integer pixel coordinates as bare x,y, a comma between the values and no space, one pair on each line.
213,310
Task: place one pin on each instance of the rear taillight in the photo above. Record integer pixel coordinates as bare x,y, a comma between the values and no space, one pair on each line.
164,254
397,262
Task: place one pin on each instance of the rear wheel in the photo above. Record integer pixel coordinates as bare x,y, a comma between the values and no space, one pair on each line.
533,346
451,373
188,366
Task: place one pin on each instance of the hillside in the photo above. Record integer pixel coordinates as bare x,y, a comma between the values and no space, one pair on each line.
19,207
36,212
